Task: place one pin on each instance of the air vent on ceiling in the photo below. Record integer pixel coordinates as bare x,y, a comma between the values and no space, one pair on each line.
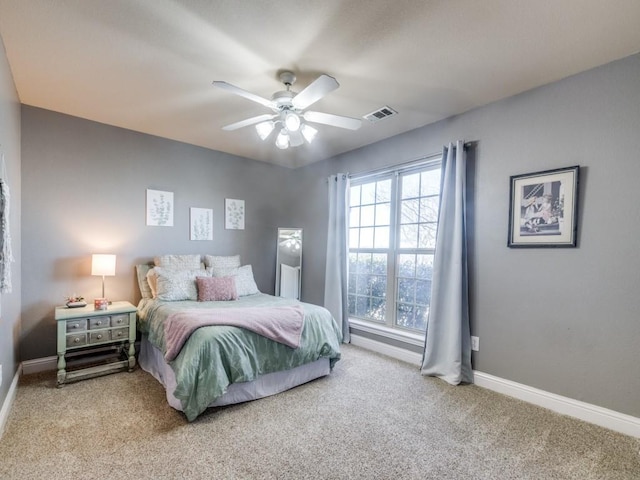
379,114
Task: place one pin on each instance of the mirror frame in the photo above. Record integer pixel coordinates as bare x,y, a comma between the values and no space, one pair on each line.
284,234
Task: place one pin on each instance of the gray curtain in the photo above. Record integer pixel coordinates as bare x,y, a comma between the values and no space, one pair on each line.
335,283
447,353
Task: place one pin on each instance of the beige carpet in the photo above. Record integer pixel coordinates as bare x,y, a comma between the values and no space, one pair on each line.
372,418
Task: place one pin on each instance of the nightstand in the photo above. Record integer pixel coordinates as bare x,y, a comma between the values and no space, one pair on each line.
80,328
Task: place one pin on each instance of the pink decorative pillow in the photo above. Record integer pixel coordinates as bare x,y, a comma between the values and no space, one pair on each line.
213,289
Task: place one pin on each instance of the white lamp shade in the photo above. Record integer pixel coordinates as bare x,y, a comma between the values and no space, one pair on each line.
264,129
309,132
292,122
282,140
103,264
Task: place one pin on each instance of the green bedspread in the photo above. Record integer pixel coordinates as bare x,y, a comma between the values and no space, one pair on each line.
216,356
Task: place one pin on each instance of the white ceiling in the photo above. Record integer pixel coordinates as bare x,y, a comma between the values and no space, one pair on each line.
147,65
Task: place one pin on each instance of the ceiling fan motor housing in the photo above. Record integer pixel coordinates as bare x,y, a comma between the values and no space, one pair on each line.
283,100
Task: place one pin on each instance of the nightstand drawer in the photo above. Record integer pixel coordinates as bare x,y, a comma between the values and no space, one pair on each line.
79,325
120,320
120,334
99,322
76,340
99,336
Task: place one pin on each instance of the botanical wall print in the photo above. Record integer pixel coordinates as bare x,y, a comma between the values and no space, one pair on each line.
201,223
544,209
159,208
234,214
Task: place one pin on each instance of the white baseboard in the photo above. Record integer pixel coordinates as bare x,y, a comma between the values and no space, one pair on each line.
8,401
47,364
37,365
389,350
618,422
603,417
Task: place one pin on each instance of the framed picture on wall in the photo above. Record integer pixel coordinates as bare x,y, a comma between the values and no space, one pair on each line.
159,208
543,208
234,214
201,223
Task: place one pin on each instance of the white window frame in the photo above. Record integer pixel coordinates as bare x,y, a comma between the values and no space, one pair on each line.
389,328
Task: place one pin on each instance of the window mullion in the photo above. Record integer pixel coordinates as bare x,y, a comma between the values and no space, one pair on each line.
392,258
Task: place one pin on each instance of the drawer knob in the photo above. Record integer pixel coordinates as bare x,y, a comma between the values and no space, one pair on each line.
99,336
75,325
99,322
76,340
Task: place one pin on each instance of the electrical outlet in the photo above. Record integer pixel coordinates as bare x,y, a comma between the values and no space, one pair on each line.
475,344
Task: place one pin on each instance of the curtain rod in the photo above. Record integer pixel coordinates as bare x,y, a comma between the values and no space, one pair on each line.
389,168
415,162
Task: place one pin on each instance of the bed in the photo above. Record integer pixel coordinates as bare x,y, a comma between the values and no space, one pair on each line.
225,364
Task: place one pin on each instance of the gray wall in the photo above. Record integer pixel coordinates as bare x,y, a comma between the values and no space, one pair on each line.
84,192
563,320
10,147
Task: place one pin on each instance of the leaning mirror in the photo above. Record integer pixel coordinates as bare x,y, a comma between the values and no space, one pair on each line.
289,263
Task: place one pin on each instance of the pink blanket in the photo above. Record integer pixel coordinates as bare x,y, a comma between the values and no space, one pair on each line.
280,324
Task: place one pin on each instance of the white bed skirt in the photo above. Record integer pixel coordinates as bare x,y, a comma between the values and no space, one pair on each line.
151,360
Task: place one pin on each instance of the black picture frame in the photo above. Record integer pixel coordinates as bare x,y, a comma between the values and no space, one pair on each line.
543,209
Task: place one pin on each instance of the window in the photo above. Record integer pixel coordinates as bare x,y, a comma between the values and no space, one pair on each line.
392,235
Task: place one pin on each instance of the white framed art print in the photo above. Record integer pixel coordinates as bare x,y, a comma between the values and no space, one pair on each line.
233,214
159,208
201,223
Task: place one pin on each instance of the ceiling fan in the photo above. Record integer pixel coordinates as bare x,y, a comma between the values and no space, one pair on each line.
289,116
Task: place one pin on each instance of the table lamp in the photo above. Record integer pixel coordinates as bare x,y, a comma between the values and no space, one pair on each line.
103,265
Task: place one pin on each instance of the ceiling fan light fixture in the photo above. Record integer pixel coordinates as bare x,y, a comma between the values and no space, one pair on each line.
264,129
290,114
282,141
308,132
292,122
295,139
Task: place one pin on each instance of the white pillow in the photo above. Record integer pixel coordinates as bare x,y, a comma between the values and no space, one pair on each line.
245,283
173,285
219,263
182,262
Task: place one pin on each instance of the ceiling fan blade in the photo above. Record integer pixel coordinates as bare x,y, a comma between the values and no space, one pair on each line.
249,121
243,93
333,120
295,138
315,91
